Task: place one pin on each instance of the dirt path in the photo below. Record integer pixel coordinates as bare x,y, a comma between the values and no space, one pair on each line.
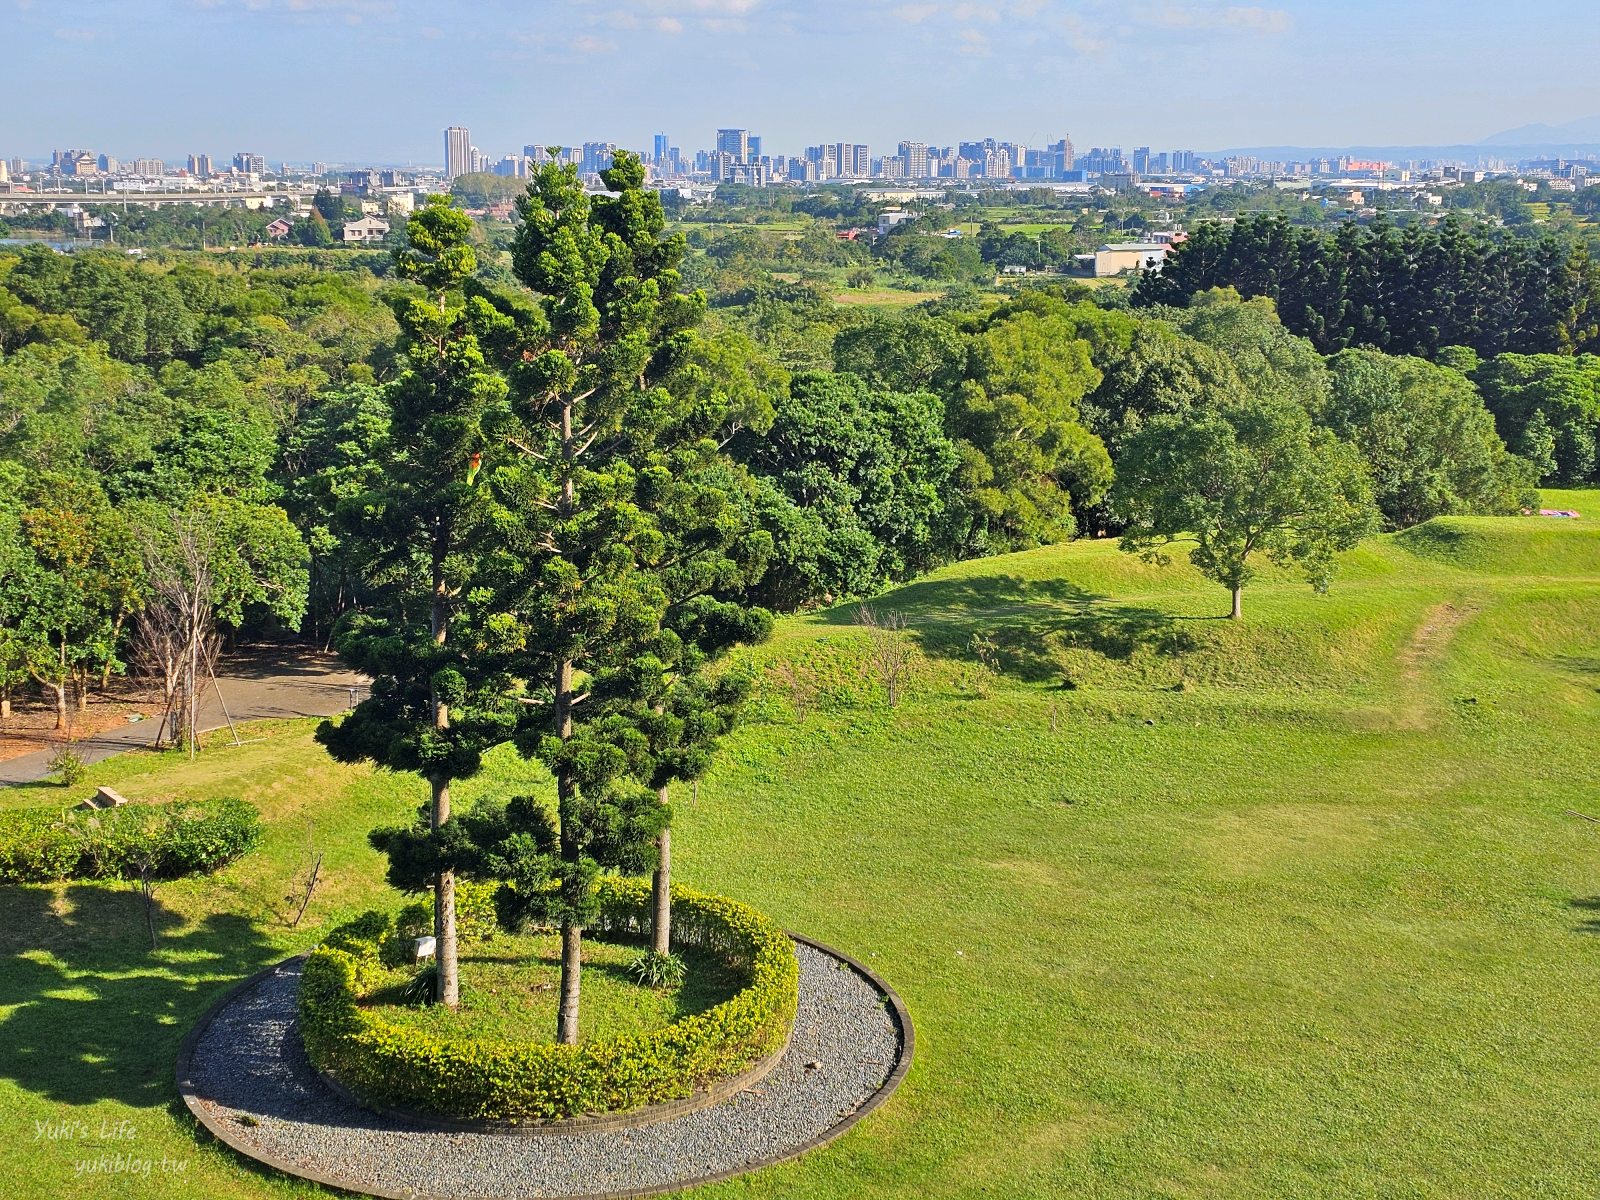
1424,650
258,685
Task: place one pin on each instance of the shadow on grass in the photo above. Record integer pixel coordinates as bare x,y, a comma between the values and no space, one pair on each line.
95,1014
1029,622
1591,906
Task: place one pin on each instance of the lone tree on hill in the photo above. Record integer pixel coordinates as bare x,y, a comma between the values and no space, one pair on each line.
1250,477
622,548
438,701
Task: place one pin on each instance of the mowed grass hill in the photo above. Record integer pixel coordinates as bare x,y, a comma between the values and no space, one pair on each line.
1181,907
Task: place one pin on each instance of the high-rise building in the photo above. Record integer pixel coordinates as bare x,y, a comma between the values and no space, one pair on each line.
915,155
249,164
662,151
1104,160
75,162
149,168
852,160
1141,160
200,166
727,169
735,143
5,172
457,151
597,157
1062,158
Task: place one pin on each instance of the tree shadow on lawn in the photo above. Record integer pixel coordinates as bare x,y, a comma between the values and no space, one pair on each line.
1030,622
1590,905
102,1016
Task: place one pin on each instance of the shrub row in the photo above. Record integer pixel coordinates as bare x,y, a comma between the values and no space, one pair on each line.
482,1079
161,841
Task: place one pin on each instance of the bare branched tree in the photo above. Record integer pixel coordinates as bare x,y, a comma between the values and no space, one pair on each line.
891,653
800,685
175,635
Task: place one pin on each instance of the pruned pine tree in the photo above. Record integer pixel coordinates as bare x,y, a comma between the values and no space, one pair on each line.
622,544
439,697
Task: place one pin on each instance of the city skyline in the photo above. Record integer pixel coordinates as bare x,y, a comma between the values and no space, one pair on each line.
324,74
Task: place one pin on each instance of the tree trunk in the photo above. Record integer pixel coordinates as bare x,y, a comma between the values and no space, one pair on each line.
661,890
1238,604
447,990
194,677
447,984
571,975
566,792
60,689
571,931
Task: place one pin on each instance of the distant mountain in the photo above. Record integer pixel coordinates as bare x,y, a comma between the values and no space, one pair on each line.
1578,132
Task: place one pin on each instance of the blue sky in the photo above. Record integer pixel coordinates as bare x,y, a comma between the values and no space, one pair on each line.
379,79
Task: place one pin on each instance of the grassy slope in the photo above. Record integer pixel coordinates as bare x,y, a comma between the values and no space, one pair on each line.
1315,925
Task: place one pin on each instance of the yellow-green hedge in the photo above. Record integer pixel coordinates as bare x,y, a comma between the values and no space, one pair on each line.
483,1079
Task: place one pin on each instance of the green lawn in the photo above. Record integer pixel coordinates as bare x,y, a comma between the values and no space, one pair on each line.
1180,907
509,991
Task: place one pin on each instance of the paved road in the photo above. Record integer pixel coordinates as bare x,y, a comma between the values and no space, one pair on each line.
255,688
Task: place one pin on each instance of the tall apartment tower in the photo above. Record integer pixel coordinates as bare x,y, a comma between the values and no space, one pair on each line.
663,149
457,151
734,142
853,160
916,157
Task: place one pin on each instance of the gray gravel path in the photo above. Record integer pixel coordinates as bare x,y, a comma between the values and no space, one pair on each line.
249,1066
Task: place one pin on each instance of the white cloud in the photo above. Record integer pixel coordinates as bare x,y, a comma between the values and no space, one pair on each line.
1249,18
972,43
1076,32
914,14
674,16
968,13
585,44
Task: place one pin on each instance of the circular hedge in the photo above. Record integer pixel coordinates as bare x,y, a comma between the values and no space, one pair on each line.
464,1078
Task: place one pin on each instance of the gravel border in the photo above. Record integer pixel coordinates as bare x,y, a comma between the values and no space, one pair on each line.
244,1075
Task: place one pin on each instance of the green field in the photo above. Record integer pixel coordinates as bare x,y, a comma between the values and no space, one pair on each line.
1181,907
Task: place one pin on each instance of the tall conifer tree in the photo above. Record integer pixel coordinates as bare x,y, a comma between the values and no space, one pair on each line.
438,701
622,547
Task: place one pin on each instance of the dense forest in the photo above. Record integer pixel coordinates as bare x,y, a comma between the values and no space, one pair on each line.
183,425
1411,291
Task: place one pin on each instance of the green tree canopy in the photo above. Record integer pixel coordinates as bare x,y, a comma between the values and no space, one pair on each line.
1427,438
1251,478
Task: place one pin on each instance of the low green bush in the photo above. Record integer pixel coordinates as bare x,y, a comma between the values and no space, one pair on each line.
478,1079
156,841
475,922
